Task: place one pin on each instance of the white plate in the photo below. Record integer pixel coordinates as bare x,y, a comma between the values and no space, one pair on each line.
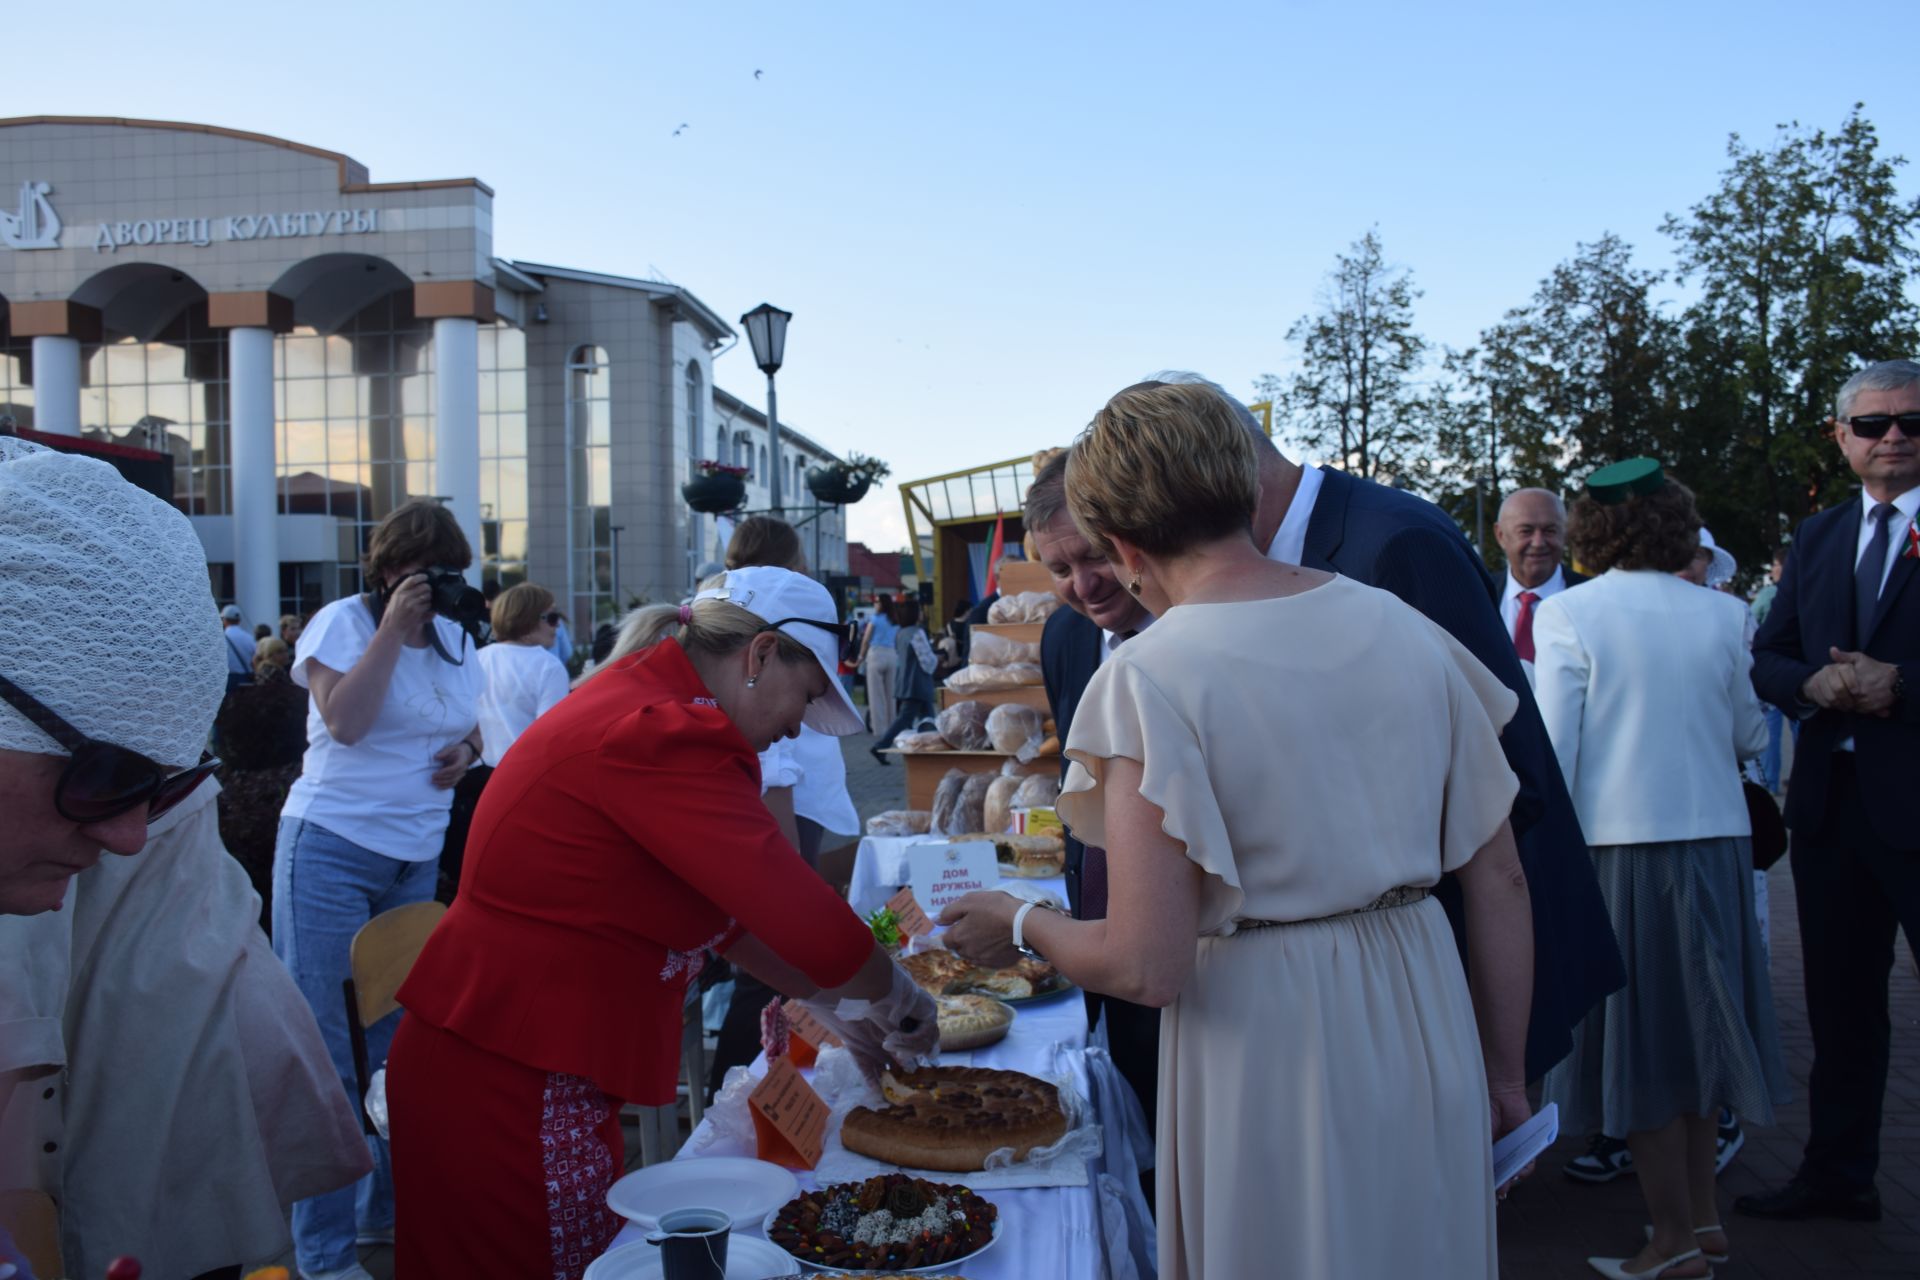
952,1266
748,1258
745,1190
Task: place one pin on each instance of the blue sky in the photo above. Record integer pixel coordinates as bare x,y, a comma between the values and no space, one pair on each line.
987,217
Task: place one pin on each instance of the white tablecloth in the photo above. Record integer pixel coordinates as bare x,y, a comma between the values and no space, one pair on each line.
1051,1231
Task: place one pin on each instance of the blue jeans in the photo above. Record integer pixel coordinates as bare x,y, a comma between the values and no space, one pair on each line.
324,889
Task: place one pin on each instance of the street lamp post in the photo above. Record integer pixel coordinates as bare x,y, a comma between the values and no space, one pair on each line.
766,328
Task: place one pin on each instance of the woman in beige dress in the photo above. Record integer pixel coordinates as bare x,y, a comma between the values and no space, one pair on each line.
1280,769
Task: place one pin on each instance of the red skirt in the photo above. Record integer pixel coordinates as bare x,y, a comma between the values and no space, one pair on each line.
499,1169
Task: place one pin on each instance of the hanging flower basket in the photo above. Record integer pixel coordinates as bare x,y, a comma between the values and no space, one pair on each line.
717,489
837,487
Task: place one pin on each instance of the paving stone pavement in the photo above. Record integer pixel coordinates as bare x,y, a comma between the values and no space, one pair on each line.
1551,1224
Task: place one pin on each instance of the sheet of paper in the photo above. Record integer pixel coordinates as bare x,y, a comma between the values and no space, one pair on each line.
809,1028
906,911
789,1118
941,874
1511,1153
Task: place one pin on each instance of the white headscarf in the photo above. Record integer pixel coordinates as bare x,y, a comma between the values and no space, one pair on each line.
106,614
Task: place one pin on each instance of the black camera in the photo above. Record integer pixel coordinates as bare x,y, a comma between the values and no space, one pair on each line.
454,600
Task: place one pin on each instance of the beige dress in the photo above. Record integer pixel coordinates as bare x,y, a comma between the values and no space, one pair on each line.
1323,1107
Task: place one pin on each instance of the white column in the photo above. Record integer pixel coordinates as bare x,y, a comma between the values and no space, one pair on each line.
256,506
456,425
56,385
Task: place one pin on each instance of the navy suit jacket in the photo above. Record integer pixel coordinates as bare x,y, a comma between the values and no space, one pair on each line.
1812,612
1399,543
1069,655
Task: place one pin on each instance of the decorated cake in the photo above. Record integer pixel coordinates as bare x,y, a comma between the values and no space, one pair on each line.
953,1118
889,1223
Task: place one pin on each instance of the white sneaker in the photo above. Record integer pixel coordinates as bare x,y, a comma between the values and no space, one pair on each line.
354,1272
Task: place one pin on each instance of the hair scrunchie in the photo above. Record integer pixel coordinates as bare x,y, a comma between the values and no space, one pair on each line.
686,614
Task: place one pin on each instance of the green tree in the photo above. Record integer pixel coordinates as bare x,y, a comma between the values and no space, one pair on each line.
1354,397
1801,258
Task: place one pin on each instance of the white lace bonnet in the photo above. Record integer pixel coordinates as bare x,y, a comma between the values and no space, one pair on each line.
106,615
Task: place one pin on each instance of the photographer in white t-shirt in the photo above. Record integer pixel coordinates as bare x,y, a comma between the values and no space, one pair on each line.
392,729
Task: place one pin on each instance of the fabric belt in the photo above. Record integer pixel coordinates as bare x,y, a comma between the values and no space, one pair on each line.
1403,896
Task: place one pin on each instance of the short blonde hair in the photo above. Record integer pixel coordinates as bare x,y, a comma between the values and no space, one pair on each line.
1166,466
713,627
267,651
517,610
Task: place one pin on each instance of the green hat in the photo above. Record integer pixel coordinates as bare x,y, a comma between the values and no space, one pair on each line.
1634,478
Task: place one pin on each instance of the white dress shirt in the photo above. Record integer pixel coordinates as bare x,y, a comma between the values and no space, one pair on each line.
1510,602
1290,541
1111,640
1904,508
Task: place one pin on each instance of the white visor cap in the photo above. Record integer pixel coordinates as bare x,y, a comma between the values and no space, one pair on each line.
1721,571
804,610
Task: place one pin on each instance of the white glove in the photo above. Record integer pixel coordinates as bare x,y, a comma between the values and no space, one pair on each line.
862,1041
906,1018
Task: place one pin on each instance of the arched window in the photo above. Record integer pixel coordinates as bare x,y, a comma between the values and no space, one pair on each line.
695,415
719,444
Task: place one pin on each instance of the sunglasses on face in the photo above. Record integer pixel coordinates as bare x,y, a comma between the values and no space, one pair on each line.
1871,426
553,619
841,631
102,781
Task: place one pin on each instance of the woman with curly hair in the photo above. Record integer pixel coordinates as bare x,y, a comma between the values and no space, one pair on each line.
1642,680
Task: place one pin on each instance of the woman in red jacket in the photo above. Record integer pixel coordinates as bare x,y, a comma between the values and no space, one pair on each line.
619,844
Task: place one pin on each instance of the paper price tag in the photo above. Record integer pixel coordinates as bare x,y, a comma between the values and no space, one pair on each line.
906,910
941,874
789,1118
808,1035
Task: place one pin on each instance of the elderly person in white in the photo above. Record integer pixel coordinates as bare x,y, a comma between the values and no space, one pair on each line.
1642,680
160,1077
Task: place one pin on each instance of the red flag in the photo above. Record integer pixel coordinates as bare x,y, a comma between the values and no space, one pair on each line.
994,552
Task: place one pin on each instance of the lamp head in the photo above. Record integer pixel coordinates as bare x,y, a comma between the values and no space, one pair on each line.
767,333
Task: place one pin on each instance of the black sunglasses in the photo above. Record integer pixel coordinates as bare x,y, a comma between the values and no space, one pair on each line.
103,781
1871,426
842,631
553,619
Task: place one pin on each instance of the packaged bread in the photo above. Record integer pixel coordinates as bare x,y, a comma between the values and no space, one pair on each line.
997,814
1016,730
990,650
964,725
946,804
972,814
985,679
900,822
929,740
1040,791
1023,606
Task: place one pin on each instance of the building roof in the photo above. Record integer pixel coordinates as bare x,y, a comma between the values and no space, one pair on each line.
881,568
741,409
690,307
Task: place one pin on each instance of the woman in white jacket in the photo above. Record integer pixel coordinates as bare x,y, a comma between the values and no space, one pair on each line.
1642,680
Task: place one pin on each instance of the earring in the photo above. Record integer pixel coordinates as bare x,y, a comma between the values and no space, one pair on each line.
752,681
1134,586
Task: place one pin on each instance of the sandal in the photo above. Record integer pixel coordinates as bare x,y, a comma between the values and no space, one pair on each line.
1717,1259
1616,1268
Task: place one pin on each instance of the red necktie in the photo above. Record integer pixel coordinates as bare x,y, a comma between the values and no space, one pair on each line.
1523,627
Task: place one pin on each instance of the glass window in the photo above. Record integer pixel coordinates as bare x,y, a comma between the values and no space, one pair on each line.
594,595
695,395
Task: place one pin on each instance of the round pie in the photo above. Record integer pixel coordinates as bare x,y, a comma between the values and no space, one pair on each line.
972,1022
952,1118
888,1223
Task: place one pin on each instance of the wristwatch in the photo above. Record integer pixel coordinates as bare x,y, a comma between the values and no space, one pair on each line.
1019,934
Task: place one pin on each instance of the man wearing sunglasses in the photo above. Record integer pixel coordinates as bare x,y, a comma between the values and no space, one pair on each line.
1840,649
135,988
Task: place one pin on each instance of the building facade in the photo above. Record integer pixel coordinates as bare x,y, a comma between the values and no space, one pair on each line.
313,348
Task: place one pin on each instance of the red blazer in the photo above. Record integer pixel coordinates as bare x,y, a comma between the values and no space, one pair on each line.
619,843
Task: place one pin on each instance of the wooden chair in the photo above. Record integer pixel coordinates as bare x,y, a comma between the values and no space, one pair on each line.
377,963
33,1221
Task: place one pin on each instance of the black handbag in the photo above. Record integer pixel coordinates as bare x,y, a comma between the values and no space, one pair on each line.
1769,828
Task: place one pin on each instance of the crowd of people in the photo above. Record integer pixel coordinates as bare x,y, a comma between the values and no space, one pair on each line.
1369,853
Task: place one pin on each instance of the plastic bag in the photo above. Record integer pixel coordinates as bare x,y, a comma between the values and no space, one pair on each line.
982,679
964,724
929,740
1041,791
972,811
1016,730
899,822
946,804
990,650
1023,606
997,816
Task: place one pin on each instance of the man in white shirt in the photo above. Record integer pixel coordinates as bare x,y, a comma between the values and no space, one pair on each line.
1532,533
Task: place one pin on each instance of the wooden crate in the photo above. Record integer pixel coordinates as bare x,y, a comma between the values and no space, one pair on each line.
926,768
1019,632
1023,575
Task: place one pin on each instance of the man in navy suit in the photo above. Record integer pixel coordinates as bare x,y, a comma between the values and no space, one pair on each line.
1100,615
1384,538
1840,650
